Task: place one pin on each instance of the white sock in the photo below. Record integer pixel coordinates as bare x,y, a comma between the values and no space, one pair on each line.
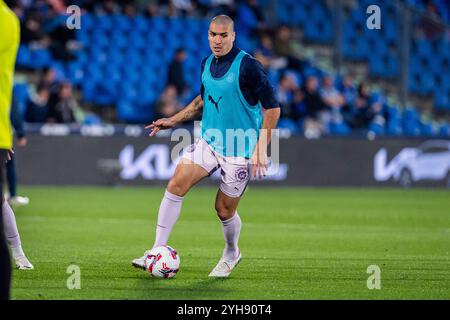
17,252
231,231
11,231
168,214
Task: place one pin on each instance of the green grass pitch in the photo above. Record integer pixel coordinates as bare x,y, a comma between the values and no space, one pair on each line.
297,243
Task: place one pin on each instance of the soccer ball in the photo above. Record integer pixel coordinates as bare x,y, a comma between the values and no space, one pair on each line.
162,262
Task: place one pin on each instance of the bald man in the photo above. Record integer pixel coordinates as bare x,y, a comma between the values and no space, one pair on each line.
234,138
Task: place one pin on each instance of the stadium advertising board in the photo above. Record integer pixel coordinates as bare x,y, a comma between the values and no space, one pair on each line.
108,160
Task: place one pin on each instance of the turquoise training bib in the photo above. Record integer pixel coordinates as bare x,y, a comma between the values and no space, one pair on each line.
229,124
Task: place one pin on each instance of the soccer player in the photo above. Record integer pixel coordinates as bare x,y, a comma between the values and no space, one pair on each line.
9,43
234,87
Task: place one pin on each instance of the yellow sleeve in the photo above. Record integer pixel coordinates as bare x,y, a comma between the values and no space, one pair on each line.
9,43
9,27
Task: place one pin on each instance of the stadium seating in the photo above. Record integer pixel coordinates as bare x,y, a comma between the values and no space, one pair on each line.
124,69
124,60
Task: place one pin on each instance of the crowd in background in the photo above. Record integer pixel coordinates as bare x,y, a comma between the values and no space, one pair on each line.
311,99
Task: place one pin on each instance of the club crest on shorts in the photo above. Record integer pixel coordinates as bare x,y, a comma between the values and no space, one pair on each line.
241,174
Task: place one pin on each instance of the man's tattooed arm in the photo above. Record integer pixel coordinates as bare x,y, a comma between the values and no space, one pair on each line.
190,112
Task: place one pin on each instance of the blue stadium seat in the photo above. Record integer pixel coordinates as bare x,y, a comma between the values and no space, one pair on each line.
59,68
283,13
103,22
390,31
298,14
87,22
444,130
98,40
442,99
88,88
410,122
23,56
92,119
376,128
134,112
127,112
140,24
40,58
121,23
286,123
391,67
376,66
426,129
75,72
104,94
423,48
339,129
394,127
159,24
119,40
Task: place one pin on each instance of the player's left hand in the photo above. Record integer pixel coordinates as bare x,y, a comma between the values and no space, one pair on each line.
259,164
22,142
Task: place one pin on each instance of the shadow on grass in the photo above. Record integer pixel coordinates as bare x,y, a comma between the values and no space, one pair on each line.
181,288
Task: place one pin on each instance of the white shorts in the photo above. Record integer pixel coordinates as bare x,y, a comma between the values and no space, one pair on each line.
235,171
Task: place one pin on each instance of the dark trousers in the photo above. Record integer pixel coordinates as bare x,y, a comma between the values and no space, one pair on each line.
11,177
5,263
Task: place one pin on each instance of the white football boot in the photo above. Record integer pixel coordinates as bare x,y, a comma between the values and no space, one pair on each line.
224,267
18,201
22,263
140,262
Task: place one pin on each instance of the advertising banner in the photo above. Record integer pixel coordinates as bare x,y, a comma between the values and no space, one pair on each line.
327,162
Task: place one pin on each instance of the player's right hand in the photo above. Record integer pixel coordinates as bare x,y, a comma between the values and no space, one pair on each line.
160,124
9,154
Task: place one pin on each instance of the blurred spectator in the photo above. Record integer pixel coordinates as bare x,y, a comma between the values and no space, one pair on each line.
49,81
348,91
366,109
175,75
285,47
217,7
63,44
332,99
65,109
350,94
311,97
37,106
298,106
130,10
265,54
330,95
150,8
32,33
285,93
430,24
109,7
168,104
184,6
314,107
250,18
